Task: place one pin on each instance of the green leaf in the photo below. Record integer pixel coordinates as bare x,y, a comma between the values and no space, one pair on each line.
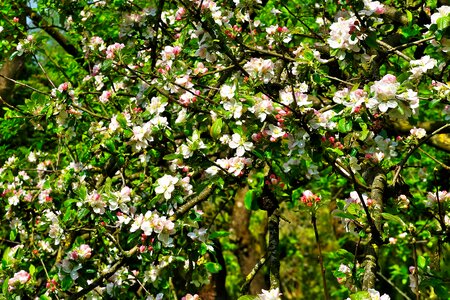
360,296
213,267
443,22
250,201
82,213
5,286
13,235
248,297
371,40
393,218
354,209
335,150
110,145
421,262
344,125
32,270
66,283
409,16
172,156
216,128
341,214
122,121
217,234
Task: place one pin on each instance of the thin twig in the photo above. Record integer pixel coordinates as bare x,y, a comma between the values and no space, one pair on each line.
23,84
434,159
411,151
391,49
404,46
322,268
393,285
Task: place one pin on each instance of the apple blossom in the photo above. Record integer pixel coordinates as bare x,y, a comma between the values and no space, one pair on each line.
240,144
234,107
262,69
434,198
21,277
273,294
384,92
227,91
344,35
166,185
421,66
418,133
375,295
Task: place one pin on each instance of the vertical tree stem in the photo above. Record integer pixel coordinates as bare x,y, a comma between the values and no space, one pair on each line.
322,268
273,249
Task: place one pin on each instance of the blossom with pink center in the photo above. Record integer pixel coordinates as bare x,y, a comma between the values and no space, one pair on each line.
309,198
19,278
344,36
105,96
84,251
384,92
113,49
262,69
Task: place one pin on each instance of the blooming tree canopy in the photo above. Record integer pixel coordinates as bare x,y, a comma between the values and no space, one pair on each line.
145,143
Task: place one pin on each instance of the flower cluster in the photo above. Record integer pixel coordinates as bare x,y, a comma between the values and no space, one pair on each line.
83,252
345,36
353,99
19,278
111,50
233,165
166,185
309,198
260,69
421,66
434,198
152,222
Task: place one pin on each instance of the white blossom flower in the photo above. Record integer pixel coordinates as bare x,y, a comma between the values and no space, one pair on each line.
273,294
418,133
233,106
375,295
433,198
384,92
240,144
421,66
344,35
157,106
166,185
275,131
259,68
20,277
443,11
227,91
